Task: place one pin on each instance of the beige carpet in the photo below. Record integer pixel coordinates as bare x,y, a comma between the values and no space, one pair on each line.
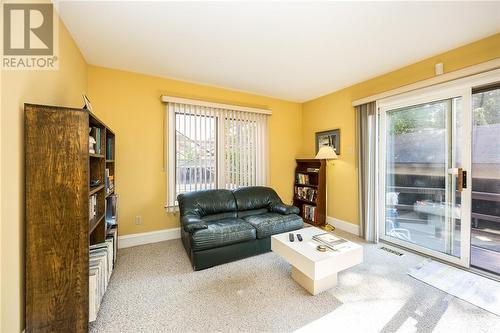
153,289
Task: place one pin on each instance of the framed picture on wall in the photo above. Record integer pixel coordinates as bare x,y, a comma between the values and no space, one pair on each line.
328,138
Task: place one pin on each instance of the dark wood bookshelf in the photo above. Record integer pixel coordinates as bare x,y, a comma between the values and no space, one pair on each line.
308,183
309,172
306,201
93,223
59,228
310,222
94,190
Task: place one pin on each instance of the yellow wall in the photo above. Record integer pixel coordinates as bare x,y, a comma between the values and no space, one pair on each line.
130,104
62,87
335,111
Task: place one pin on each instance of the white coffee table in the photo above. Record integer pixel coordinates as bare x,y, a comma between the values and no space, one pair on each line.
315,271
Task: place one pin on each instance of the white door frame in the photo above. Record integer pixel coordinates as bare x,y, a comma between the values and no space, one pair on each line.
458,88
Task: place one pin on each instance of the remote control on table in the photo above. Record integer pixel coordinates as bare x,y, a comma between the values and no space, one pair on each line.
299,237
290,236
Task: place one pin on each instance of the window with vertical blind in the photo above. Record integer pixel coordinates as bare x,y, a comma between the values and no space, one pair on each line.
214,146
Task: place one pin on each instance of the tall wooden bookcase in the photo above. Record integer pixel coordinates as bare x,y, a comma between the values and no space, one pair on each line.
310,190
59,231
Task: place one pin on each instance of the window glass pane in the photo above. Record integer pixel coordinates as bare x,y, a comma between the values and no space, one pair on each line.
422,203
239,155
195,152
217,148
485,233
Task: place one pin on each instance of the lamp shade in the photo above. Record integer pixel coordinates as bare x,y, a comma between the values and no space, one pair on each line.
326,153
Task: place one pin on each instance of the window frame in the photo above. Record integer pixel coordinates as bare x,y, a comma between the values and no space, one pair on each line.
220,122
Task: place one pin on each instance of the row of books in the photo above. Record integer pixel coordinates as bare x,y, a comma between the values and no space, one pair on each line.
95,140
110,181
309,212
301,178
93,206
306,193
102,259
109,149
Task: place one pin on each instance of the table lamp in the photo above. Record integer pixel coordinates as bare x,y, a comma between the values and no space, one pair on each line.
327,153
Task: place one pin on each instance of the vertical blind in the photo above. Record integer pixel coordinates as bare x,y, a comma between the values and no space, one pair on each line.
215,148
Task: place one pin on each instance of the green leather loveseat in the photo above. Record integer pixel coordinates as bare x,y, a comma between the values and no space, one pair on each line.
219,226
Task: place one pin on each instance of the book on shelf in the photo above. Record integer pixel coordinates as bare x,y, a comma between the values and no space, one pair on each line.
96,268
93,285
94,140
100,256
113,238
110,181
111,202
302,178
93,206
101,264
109,147
113,234
101,249
306,193
309,212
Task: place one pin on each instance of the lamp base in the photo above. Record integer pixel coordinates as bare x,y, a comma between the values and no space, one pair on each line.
328,227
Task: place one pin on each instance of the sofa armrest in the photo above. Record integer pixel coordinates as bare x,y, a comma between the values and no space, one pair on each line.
191,223
283,209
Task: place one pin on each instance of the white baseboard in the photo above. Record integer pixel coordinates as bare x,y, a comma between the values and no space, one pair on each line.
148,237
343,225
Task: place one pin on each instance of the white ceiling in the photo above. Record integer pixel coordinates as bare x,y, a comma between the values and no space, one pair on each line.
294,51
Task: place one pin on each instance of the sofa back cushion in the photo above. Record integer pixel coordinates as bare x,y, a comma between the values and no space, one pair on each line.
255,197
208,202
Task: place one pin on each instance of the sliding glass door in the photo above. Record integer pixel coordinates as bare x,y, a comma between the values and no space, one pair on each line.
423,178
439,171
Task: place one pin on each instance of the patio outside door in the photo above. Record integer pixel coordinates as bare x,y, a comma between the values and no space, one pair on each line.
424,173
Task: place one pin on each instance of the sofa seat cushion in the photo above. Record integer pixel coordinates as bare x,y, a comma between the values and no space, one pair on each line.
222,232
269,224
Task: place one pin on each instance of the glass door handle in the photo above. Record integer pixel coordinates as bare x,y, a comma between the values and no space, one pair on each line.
462,179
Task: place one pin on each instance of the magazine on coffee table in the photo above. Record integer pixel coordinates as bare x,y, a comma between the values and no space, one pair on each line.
329,240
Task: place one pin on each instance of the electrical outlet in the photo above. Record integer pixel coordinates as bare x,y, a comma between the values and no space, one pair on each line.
138,220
